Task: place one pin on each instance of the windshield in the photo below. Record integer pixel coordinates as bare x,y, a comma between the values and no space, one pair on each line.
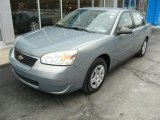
89,20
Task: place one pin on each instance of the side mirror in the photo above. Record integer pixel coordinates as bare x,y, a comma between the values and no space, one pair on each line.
124,30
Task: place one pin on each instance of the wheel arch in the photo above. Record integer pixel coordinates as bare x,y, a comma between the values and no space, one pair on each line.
106,57
147,38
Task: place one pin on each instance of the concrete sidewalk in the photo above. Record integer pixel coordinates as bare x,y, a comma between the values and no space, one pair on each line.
4,56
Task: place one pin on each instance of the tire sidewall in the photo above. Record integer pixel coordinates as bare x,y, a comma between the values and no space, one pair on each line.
87,82
142,54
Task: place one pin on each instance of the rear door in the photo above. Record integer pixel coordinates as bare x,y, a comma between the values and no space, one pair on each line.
139,30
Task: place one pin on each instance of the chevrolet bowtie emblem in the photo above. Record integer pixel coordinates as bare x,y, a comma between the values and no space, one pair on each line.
20,57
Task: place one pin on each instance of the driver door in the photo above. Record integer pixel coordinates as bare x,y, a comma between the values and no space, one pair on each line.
123,42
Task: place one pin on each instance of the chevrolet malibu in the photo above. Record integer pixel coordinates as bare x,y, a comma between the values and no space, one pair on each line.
78,51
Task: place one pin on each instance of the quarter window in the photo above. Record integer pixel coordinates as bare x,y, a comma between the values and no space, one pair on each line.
125,20
137,19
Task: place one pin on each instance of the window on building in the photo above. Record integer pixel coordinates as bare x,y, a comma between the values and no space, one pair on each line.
98,3
50,12
126,3
120,3
142,6
131,4
109,3
85,3
69,6
24,15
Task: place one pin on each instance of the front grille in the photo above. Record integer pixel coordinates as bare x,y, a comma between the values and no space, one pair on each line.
24,59
28,80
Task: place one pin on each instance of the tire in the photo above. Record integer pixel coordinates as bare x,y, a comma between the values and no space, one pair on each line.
94,79
33,25
143,49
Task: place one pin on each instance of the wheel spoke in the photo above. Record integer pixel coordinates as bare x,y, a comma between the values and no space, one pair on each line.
98,82
93,80
144,47
96,70
34,26
97,76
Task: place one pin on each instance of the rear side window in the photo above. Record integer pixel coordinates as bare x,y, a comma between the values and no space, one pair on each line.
125,20
137,19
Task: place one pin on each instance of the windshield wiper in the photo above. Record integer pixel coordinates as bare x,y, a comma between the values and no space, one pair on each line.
59,25
80,29
73,27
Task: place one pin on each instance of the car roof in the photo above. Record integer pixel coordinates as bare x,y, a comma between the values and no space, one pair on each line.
108,9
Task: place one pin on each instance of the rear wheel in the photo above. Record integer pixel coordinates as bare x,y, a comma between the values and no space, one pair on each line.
95,76
33,25
143,49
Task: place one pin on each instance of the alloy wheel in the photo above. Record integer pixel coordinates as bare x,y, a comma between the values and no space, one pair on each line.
97,76
34,26
144,47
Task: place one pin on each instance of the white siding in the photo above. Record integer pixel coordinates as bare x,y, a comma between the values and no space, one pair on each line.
6,24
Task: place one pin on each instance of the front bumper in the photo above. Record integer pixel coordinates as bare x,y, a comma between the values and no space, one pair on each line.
47,78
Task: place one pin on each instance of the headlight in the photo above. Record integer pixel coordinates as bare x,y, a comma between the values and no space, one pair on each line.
59,58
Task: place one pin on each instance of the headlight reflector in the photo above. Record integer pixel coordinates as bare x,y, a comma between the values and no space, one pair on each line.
59,58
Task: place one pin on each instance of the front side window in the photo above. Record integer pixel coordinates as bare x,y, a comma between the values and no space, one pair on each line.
137,19
90,20
125,20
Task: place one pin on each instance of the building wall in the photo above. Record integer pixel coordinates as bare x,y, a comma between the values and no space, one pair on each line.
6,25
153,15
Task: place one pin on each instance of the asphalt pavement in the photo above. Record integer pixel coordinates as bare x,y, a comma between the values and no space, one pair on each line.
130,92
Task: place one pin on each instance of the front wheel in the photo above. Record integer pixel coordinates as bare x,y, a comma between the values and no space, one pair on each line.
143,49
95,76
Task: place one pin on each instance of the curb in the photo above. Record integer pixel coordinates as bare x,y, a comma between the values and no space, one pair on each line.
155,27
4,65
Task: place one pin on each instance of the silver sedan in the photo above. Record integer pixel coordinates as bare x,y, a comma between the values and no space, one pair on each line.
78,51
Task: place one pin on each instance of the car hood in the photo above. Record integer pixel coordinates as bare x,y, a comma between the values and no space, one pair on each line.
52,38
